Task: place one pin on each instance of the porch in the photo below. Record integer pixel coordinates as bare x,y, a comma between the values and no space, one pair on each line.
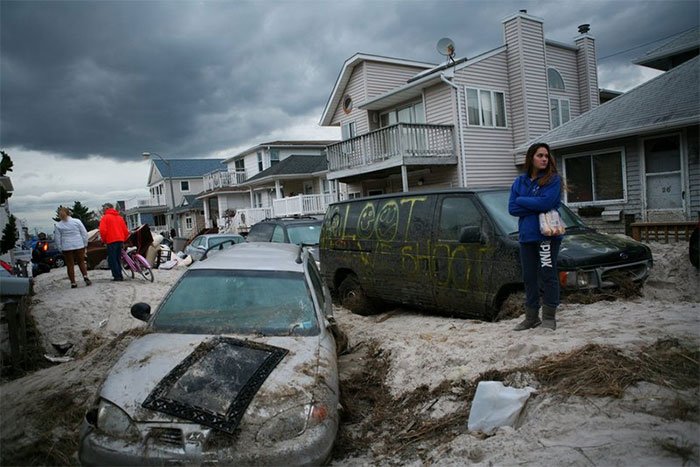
399,145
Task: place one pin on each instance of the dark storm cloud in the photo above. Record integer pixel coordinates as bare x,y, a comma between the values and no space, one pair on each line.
184,78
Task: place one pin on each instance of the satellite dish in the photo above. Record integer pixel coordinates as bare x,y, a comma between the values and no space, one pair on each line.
446,47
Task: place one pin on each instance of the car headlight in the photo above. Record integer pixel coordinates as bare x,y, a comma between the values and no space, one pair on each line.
292,422
114,421
577,279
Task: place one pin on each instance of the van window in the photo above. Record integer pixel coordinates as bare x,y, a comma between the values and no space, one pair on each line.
260,232
455,214
278,234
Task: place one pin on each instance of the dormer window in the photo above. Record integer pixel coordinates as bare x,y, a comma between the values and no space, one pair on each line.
555,80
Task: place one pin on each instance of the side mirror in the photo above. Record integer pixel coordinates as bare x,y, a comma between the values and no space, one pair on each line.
470,234
141,311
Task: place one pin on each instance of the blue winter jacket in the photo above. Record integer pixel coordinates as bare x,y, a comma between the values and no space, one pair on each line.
528,200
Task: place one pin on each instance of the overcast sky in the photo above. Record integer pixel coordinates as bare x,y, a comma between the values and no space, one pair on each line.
87,86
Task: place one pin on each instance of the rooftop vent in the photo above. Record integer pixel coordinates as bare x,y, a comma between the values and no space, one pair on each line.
523,12
584,28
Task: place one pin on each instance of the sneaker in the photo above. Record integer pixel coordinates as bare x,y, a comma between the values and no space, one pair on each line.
74,286
87,281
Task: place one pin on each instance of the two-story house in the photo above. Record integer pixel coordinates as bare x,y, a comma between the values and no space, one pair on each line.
172,184
637,157
409,125
276,178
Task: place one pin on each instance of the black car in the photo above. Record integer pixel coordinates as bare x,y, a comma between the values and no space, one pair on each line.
301,230
46,252
456,252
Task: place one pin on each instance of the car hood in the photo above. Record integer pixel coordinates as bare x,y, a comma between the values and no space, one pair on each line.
150,358
581,249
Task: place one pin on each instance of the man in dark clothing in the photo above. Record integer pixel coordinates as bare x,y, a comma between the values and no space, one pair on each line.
113,232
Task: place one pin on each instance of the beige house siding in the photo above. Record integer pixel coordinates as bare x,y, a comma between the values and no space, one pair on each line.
588,73
439,105
565,62
356,88
488,151
383,77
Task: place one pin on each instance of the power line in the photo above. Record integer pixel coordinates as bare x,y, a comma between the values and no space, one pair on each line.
648,43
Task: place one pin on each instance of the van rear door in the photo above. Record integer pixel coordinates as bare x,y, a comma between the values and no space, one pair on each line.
462,257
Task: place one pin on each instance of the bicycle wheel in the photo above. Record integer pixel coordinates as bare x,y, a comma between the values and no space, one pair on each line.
144,267
126,266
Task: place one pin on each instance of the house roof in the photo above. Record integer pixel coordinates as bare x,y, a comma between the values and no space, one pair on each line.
345,73
190,203
292,165
685,44
188,168
670,100
307,144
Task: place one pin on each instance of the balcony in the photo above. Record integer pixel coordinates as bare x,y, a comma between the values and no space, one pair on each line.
223,179
158,201
301,205
396,145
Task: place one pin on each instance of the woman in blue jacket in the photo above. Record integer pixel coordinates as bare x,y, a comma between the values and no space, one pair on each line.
536,191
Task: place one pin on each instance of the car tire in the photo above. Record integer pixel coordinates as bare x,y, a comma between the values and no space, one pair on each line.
59,262
354,298
694,248
512,307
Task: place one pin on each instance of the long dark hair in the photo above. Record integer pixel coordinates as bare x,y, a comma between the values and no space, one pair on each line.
551,169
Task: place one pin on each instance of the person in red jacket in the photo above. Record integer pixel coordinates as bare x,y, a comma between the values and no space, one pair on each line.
113,232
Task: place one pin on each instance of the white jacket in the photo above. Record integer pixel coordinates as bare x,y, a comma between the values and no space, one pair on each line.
70,234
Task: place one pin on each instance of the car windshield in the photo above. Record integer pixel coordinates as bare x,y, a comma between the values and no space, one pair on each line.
271,303
308,234
213,241
496,202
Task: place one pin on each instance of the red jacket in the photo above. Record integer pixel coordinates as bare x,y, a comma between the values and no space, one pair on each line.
112,227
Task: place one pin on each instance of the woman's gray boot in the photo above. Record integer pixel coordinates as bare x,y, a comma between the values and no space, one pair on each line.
548,317
532,320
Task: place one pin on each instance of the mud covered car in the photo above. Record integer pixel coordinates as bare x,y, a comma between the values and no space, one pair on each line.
455,252
239,368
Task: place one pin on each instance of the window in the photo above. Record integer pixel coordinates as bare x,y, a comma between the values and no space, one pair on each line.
559,110
554,80
355,194
347,131
486,108
184,185
278,234
188,222
240,165
595,177
663,170
375,192
414,113
274,156
257,200
260,162
347,104
457,213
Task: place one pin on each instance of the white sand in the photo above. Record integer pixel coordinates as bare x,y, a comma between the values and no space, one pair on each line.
424,349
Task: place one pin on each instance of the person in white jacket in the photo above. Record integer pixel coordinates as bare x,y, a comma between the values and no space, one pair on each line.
71,238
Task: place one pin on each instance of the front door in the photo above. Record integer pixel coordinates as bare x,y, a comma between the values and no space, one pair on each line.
663,168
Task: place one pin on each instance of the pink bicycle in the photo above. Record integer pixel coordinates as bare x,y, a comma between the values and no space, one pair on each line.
132,262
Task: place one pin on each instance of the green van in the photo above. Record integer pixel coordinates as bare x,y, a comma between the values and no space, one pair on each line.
454,252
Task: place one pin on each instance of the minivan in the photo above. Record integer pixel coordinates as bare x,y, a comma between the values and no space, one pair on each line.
455,252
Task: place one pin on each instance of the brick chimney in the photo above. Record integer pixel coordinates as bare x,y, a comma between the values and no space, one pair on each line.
587,69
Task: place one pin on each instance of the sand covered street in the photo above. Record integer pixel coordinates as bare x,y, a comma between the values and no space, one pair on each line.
408,377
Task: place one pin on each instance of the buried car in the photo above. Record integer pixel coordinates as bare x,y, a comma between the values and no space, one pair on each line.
456,252
239,367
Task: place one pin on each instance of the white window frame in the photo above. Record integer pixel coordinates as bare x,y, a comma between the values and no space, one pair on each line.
493,106
189,225
411,105
188,186
560,76
607,202
560,100
354,194
261,161
351,130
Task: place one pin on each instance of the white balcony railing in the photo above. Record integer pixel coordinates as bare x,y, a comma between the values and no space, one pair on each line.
223,179
301,205
403,140
144,202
